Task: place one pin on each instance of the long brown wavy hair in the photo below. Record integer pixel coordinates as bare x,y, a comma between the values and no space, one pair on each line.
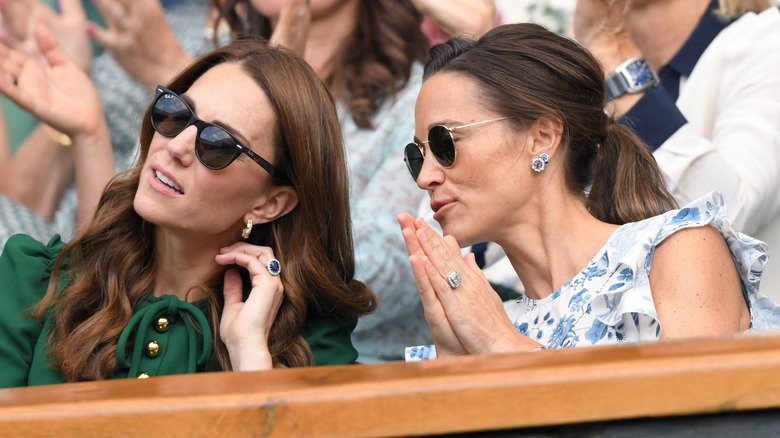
100,276
374,63
527,72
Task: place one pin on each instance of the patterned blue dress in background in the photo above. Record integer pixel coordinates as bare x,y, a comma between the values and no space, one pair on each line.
610,300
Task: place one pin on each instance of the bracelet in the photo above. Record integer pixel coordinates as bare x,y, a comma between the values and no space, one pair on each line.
56,136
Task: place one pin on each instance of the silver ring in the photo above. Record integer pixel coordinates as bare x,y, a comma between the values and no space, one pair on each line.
454,279
274,267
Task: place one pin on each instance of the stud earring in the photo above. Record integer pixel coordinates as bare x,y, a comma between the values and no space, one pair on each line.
247,229
537,164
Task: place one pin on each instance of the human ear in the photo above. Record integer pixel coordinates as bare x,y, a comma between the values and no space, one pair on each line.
544,136
281,200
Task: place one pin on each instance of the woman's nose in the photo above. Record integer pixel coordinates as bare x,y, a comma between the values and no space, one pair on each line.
431,173
182,146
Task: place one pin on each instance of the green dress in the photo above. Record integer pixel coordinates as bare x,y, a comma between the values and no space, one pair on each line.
164,338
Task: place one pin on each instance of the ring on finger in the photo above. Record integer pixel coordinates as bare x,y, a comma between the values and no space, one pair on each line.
454,279
274,267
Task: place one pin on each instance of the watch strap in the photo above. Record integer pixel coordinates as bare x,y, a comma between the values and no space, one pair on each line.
616,85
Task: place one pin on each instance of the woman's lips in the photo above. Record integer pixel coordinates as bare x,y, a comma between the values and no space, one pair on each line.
441,207
164,183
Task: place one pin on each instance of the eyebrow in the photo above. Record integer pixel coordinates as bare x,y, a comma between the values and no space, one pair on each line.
217,122
446,123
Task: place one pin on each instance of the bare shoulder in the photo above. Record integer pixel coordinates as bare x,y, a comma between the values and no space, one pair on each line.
694,241
695,285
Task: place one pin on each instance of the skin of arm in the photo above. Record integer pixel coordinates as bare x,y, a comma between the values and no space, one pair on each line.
703,301
38,174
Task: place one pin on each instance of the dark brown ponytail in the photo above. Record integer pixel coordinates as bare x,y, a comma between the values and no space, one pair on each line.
626,184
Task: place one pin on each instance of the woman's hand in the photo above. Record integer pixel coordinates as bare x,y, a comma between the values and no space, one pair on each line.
140,40
292,28
469,318
444,336
21,17
602,26
55,90
246,325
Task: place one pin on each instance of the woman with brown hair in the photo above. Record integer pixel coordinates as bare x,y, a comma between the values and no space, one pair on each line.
369,54
154,284
514,146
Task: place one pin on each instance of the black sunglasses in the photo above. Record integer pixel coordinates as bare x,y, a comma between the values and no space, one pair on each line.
442,147
215,147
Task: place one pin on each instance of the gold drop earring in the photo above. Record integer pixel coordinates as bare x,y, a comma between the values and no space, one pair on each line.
247,229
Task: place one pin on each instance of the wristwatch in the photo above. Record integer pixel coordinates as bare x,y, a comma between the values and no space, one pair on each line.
632,76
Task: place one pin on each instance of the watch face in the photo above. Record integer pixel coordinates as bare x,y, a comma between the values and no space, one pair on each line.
639,72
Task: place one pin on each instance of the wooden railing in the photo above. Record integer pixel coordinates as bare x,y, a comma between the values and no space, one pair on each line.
477,393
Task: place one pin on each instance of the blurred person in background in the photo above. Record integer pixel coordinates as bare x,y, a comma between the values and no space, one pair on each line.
697,80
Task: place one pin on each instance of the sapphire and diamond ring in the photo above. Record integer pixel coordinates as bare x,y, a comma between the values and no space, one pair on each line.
273,266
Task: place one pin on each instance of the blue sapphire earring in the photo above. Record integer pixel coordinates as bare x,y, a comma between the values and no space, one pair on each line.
537,164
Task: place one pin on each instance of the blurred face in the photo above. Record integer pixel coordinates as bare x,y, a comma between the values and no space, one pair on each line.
177,192
480,192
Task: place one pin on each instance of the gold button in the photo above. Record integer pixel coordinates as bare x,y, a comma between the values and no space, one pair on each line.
163,324
153,349
143,375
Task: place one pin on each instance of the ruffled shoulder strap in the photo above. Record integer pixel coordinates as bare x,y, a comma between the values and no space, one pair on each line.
630,251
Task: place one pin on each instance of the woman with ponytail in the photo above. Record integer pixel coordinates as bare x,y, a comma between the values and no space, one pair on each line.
514,146
229,246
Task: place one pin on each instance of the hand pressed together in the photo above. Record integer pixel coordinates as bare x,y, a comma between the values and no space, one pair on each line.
468,319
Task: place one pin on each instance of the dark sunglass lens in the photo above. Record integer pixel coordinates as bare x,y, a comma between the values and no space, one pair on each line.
414,159
170,115
441,145
216,148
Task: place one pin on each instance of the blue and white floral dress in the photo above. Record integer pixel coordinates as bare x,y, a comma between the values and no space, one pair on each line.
610,300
